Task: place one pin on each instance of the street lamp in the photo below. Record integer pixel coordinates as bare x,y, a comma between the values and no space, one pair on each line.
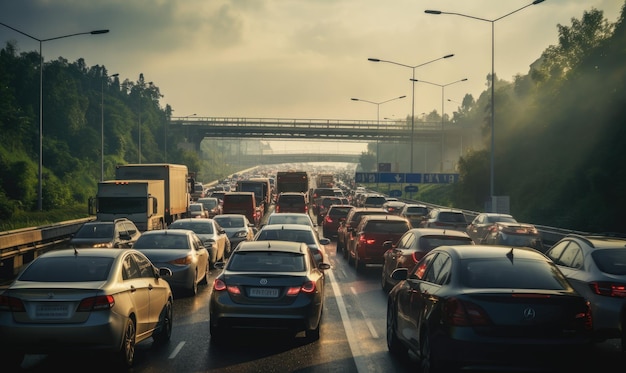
443,86
41,41
102,126
378,122
413,99
492,21
139,128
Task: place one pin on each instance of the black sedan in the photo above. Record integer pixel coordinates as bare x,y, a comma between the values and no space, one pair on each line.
270,285
483,306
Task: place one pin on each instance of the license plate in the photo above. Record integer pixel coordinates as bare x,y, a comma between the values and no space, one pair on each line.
52,311
264,292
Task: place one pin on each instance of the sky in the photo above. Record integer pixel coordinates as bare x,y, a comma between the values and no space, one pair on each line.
302,59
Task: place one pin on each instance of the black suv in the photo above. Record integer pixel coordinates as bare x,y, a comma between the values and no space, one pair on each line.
120,233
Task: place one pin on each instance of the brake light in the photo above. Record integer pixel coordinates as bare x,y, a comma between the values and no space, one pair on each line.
461,313
328,219
608,289
182,261
101,302
308,287
235,290
416,256
277,209
11,304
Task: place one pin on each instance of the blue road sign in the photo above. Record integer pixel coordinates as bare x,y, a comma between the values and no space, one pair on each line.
366,177
440,178
395,193
413,178
411,188
391,177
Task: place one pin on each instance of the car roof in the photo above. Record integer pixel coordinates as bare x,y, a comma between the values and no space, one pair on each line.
438,232
383,217
490,251
602,241
91,251
273,245
176,232
291,227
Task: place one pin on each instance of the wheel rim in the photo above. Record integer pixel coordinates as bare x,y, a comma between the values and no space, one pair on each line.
129,343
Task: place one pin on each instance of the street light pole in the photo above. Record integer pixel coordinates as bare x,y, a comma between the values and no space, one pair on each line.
139,128
378,122
443,86
102,126
413,99
41,41
492,21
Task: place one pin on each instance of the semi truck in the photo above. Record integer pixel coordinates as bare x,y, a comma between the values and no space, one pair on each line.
292,181
141,201
177,185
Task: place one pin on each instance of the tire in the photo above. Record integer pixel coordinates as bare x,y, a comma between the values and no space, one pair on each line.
207,273
126,354
217,334
394,345
192,290
384,284
358,263
313,335
164,330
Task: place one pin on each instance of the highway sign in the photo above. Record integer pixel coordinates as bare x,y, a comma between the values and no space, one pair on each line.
395,193
440,178
411,188
402,178
391,177
366,177
413,178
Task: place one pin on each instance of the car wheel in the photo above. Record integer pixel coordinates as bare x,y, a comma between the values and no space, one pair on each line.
217,334
383,281
193,288
394,345
164,332
358,263
428,364
205,278
126,355
314,334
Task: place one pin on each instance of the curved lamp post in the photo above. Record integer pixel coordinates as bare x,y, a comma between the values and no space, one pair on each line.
41,41
443,86
492,21
377,120
102,125
413,99
139,128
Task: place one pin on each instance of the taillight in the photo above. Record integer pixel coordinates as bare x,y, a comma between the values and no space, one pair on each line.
277,209
461,313
11,304
308,287
328,219
182,261
293,291
101,302
608,289
219,285
416,256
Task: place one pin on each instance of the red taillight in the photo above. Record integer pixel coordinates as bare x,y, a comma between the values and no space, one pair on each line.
182,261
293,291
233,289
308,287
328,219
587,316
462,313
608,289
416,256
11,304
219,285
101,302
277,209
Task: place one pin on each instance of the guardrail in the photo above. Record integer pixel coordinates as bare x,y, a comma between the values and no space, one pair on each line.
20,246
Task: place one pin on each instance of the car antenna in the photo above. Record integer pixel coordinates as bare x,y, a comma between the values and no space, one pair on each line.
510,255
75,251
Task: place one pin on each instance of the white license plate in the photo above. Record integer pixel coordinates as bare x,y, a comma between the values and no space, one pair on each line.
264,292
52,311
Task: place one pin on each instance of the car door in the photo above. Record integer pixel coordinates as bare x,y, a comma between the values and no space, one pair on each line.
202,255
138,290
157,292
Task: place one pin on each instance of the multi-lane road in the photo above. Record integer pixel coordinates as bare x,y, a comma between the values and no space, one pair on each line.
352,338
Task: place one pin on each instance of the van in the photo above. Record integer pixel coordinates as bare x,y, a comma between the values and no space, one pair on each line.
291,202
242,203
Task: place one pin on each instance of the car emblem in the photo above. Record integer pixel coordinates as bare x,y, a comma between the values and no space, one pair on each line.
529,314
263,281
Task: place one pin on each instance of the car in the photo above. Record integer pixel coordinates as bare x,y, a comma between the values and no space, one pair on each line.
514,234
324,203
393,207
290,218
219,194
243,203
237,227
316,194
180,250
120,233
346,230
445,218
75,299
334,216
415,212
485,307
291,202
213,237
276,285
297,233
374,200
595,265
196,210
412,247
212,205
370,237
483,222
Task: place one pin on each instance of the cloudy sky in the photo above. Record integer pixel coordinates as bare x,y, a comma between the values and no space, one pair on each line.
298,58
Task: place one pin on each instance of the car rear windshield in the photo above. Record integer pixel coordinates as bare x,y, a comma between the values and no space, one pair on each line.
229,222
417,210
611,261
286,235
197,227
339,211
68,269
387,226
452,217
266,261
95,231
290,200
504,273
435,241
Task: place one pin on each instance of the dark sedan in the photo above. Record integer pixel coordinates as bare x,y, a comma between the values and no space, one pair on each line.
492,307
268,284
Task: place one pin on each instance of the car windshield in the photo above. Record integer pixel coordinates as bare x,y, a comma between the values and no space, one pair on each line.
432,242
229,222
161,241
68,269
504,273
197,227
288,219
452,217
611,261
95,231
266,261
195,207
287,235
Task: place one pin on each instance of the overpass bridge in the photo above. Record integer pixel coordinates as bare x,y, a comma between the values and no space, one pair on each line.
446,140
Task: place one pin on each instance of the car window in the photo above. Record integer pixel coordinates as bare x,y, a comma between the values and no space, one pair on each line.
436,241
572,256
95,231
406,241
516,274
262,261
74,269
387,226
451,217
420,269
611,261
130,269
146,270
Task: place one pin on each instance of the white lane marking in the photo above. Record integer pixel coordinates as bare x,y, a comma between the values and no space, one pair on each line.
368,322
176,350
359,360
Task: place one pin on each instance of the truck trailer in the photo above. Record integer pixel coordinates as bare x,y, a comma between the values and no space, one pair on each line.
141,201
176,180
